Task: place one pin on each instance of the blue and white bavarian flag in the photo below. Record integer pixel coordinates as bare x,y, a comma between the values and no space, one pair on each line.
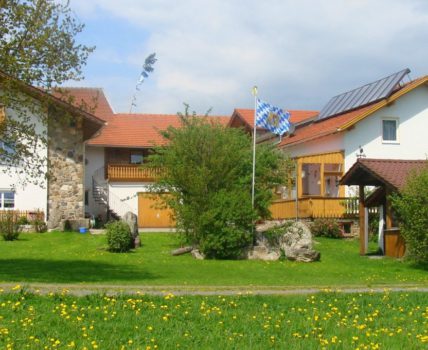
272,118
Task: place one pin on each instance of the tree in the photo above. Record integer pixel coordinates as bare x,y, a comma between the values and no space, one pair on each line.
411,207
206,180
37,47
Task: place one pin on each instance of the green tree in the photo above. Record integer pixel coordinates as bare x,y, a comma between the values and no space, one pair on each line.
411,207
207,180
37,47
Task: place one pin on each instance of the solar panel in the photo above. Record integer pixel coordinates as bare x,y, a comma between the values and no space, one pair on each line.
363,95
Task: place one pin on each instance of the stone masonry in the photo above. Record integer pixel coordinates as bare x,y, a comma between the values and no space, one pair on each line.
66,175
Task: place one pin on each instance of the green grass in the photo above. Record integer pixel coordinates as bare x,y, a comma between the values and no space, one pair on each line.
82,258
321,321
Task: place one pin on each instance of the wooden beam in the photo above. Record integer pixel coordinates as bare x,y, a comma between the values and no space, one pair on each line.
362,211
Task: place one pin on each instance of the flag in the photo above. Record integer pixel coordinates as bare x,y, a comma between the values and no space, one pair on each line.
272,118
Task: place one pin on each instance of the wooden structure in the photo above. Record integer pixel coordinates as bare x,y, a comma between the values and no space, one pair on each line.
316,184
131,173
28,214
388,176
152,212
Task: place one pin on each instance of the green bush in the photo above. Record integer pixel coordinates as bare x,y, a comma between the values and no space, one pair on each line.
39,225
226,225
22,220
10,227
119,237
411,208
326,228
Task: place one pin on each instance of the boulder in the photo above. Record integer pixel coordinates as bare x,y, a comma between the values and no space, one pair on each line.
304,255
132,220
197,254
297,243
261,252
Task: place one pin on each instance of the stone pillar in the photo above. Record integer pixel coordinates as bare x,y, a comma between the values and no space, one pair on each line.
66,170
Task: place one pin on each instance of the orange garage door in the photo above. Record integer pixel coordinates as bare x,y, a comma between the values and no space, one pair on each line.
151,212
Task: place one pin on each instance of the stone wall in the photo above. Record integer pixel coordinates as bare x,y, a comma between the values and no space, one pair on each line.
66,175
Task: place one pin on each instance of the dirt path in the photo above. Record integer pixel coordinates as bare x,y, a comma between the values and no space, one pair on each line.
85,289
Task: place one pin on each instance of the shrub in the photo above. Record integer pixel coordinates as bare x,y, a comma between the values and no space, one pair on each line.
412,211
226,226
119,238
39,225
326,228
9,226
22,220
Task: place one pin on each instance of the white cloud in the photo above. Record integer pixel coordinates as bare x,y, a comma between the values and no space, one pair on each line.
299,53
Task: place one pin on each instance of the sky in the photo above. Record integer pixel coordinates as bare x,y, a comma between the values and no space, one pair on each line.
299,53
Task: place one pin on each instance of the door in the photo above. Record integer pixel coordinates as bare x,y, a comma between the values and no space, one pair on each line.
152,213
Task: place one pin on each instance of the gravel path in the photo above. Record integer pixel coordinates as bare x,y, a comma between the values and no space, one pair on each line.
82,290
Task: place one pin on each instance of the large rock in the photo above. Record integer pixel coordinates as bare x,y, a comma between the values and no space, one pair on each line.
297,243
197,254
262,252
132,220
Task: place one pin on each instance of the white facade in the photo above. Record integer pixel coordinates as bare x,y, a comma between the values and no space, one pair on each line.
122,196
411,113
28,196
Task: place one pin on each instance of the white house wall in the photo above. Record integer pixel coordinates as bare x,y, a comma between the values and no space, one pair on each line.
123,196
330,143
28,196
411,110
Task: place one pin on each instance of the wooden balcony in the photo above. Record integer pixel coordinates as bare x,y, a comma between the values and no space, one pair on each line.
315,207
131,173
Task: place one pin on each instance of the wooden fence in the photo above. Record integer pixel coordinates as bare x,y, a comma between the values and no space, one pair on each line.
28,214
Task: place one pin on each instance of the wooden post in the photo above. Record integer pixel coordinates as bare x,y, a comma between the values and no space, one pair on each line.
362,211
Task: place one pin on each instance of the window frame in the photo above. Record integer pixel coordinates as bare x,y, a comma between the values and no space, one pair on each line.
397,126
3,200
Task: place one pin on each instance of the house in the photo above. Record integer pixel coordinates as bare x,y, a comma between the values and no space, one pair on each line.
115,181
60,196
387,176
385,119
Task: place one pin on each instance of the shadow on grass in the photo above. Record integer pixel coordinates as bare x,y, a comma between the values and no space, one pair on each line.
68,271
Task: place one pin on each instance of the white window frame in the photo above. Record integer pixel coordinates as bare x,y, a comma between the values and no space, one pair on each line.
397,129
2,192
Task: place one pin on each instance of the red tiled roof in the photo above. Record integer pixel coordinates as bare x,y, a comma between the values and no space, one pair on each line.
296,116
92,99
344,121
392,172
140,130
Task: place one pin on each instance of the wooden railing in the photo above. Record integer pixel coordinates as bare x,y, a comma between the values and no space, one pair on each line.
131,172
30,215
315,207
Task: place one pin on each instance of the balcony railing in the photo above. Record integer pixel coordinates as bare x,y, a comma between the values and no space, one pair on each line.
316,207
132,173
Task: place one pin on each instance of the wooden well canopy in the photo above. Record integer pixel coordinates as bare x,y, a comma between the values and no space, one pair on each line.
388,175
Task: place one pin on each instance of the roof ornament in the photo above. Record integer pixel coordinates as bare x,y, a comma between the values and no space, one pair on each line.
360,153
147,68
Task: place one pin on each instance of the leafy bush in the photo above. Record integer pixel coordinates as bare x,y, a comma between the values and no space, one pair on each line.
22,220
9,226
226,226
119,238
39,225
208,175
326,228
411,208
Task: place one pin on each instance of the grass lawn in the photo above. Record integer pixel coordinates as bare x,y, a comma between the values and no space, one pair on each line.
321,321
82,258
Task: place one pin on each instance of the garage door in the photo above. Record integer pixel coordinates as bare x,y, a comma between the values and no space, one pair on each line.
151,212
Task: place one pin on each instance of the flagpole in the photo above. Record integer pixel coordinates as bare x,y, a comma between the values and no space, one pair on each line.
254,146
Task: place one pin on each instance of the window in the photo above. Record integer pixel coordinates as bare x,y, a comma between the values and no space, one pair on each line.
389,130
311,179
7,199
86,197
136,158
